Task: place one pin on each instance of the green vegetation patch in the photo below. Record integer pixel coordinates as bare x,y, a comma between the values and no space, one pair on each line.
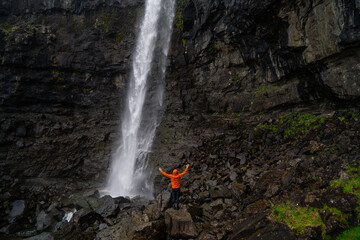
58,75
347,114
236,79
351,234
184,42
105,20
118,37
180,4
299,218
295,124
263,90
350,185
8,29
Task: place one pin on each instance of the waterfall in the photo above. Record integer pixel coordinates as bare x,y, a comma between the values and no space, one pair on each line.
129,173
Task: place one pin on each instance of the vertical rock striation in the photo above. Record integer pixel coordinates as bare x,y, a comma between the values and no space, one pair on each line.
64,67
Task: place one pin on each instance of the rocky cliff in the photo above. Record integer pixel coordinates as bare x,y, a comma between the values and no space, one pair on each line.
243,77
234,58
64,66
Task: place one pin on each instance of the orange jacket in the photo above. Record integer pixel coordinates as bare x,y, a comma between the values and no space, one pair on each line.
175,177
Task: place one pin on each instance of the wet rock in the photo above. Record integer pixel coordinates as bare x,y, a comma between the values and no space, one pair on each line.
217,204
249,226
17,209
238,189
242,158
42,236
165,200
120,199
256,207
203,196
106,206
218,215
179,224
136,227
88,219
102,226
271,191
211,183
233,176
223,193
195,210
268,178
43,221
274,231
206,236
153,210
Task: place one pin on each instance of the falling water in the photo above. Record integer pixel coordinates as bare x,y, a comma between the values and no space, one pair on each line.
129,173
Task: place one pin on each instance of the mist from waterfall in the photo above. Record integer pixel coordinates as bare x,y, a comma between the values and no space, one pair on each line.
130,174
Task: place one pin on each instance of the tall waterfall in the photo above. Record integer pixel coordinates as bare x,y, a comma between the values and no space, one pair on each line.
129,173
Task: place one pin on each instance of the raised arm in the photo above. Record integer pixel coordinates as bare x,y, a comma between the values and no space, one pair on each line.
183,173
165,174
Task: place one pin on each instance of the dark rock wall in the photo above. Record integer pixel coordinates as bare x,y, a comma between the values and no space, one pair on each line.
250,58
64,67
254,56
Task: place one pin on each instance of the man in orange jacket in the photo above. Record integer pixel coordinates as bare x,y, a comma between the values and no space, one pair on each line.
175,184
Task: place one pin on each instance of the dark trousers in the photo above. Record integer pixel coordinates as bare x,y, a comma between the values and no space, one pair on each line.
175,194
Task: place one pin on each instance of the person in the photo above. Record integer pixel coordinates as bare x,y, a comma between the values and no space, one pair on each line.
175,184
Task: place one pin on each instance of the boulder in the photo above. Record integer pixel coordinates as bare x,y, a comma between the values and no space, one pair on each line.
206,236
135,227
43,221
179,224
153,210
256,207
18,207
238,189
165,199
41,236
106,207
223,193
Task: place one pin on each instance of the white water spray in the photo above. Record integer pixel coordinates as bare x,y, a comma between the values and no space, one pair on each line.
129,173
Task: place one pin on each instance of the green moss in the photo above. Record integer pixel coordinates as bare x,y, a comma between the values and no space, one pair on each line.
178,14
348,114
98,22
236,79
351,234
105,19
295,124
299,218
262,90
184,42
119,37
8,29
58,75
350,185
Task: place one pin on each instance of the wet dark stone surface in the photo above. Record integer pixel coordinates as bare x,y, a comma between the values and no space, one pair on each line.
64,67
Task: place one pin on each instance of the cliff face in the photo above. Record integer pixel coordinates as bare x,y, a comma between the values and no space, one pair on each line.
64,67
233,64
260,55
256,57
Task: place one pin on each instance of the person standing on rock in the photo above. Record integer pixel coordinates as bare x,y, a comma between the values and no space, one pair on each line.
175,184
